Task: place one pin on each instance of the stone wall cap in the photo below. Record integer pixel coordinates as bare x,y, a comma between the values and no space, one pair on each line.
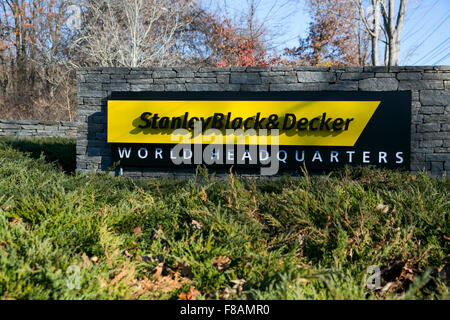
273,68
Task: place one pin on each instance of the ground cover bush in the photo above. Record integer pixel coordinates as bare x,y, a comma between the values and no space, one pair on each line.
70,236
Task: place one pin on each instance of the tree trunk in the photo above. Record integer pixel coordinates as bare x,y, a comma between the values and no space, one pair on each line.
376,31
375,51
386,51
393,29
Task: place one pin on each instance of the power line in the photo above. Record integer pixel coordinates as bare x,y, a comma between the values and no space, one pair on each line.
448,55
435,29
429,35
436,49
432,51
439,52
411,33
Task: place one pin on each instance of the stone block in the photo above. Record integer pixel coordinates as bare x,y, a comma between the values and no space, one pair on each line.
378,84
163,74
299,87
279,79
421,85
356,75
409,76
316,77
436,76
245,78
435,97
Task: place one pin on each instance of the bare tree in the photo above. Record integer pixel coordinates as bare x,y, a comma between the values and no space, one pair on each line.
392,27
372,25
35,81
136,34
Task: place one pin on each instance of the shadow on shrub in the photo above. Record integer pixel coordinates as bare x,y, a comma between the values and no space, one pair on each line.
56,150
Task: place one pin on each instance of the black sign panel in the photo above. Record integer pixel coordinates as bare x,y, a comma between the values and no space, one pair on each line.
384,141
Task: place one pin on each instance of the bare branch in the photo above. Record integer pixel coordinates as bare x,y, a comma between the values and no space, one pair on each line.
140,34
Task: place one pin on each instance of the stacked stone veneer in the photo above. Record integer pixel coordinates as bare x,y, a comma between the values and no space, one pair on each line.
430,86
37,129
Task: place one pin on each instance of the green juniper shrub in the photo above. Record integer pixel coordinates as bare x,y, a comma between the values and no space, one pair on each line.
73,236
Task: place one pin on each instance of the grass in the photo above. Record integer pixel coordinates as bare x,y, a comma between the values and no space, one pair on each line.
70,236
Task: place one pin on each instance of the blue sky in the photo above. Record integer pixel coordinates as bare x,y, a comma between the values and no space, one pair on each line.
425,36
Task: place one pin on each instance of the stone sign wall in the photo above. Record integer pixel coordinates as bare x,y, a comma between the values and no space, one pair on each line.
37,129
430,87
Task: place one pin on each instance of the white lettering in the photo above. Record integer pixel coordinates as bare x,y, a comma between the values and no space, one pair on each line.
124,152
399,155
145,153
366,157
247,155
350,156
334,156
317,156
382,156
303,156
261,158
187,154
230,155
158,153
285,156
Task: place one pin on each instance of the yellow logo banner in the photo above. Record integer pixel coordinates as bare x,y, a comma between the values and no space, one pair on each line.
302,123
